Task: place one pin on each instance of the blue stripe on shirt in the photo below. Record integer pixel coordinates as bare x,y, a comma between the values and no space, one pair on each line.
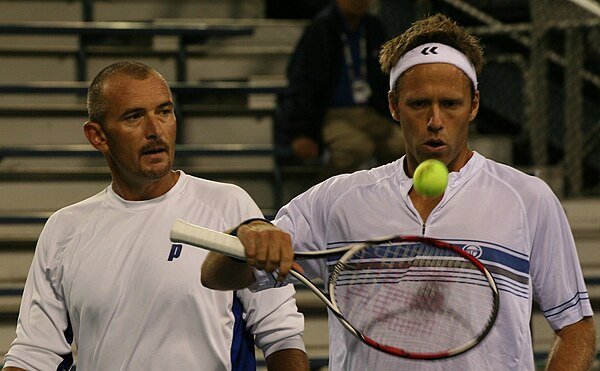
580,296
242,344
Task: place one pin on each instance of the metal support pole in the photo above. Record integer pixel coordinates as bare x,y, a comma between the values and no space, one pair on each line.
574,155
88,10
87,16
537,87
182,59
181,77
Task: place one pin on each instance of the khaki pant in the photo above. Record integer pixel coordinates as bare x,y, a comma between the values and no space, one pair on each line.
359,137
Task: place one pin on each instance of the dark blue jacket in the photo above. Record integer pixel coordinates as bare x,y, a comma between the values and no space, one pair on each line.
313,72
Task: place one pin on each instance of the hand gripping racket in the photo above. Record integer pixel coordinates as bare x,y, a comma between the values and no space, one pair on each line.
412,297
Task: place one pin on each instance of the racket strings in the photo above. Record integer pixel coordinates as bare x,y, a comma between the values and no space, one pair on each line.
413,296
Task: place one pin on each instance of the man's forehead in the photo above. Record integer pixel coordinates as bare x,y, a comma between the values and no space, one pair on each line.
124,94
124,80
130,87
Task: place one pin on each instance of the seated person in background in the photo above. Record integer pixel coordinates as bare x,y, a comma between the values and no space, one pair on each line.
106,276
337,105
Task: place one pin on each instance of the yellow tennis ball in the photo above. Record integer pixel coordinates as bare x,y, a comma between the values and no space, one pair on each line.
430,178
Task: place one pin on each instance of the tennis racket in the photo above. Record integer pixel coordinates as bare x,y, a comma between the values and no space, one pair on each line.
408,296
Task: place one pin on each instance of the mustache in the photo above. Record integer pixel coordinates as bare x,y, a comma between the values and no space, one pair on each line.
155,145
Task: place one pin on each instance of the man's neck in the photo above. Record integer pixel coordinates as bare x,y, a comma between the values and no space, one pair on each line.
142,191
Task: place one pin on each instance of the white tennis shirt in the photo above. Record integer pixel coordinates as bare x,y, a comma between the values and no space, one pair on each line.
512,221
105,272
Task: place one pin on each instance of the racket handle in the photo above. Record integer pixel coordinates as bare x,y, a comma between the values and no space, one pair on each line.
195,235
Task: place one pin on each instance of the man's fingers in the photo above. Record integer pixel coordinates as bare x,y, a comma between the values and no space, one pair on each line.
297,267
261,254
286,257
273,257
249,247
267,247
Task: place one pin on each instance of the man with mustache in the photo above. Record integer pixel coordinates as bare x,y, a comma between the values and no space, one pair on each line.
106,276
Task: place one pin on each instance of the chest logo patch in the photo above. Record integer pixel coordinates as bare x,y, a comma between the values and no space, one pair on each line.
474,250
175,251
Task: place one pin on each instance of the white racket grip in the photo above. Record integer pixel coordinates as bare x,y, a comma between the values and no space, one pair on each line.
209,239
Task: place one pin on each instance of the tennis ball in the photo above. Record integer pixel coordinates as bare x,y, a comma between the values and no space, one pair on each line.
430,178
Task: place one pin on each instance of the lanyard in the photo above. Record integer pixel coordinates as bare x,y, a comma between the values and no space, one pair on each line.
362,52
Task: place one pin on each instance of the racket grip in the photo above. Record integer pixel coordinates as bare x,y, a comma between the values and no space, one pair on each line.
195,235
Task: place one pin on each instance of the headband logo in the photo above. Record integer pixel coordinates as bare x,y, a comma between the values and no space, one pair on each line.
429,50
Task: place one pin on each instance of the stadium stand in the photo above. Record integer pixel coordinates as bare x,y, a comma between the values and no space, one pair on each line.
225,83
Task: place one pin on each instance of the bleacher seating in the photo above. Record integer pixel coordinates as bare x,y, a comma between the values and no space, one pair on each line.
224,88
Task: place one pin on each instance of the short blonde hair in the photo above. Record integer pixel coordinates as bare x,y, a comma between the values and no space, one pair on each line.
437,28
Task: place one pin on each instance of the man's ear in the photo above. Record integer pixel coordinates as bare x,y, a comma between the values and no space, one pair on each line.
474,106
95,135
392,104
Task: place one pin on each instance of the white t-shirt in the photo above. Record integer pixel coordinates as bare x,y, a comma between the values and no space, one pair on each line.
513,219
106,273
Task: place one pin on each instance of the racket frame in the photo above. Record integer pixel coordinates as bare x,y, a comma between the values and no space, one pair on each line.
188,233
353,249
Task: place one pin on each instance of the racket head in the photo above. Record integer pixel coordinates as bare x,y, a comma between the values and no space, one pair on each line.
414,297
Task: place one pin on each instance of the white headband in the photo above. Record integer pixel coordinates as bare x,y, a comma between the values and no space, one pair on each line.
433,53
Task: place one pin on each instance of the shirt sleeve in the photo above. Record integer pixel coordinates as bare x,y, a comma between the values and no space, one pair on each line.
270,315
43,333
273,318
306,218
558,283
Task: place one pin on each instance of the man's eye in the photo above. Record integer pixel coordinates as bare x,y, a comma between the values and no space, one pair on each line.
133,117
418,104
451,103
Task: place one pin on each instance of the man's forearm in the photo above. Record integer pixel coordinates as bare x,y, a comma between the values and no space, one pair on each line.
220,272
287,360
574,347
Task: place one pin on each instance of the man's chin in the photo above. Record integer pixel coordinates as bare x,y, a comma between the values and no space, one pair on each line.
157,172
